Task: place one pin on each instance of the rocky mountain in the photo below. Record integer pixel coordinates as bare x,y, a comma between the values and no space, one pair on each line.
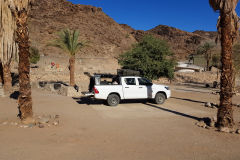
181,42
105,37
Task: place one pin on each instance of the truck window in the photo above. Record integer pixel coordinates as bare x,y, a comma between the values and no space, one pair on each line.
130,81
144,81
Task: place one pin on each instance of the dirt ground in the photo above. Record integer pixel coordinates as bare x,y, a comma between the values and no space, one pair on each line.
131,131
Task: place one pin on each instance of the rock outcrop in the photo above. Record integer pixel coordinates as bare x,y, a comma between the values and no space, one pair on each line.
105,37
181,42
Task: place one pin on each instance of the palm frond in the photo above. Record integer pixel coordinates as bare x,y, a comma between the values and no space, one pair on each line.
226,6
68,41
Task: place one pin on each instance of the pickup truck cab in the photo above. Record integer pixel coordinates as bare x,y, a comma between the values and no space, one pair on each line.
130,87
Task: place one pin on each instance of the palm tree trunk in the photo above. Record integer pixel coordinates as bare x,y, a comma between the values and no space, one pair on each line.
25,99
7,78
1,74
72,70
208,61
225,111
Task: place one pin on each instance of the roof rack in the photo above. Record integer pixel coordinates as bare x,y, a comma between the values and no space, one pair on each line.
105,75
127,72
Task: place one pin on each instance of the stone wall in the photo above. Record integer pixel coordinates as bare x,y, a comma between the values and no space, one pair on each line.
56,69
92,65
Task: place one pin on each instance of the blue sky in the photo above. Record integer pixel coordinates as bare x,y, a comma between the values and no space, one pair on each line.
188,15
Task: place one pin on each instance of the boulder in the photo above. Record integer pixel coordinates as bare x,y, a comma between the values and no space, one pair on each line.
208,104
55,123
72,92
201,123
44,119
238,131
225,129
41,126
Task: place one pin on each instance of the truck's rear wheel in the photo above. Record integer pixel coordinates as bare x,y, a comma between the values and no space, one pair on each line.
113,100
159,98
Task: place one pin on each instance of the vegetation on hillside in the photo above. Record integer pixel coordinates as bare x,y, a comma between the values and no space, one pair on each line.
206,49
34,55
151,56
236,57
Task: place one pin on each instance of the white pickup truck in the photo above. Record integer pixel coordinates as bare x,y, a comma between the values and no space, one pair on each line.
130,87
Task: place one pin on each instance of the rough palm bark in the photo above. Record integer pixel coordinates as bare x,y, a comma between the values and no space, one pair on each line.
228,30
7,78
25,99
72,70
225,112
19,9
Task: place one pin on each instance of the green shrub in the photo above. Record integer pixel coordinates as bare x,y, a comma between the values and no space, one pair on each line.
34,55
152,57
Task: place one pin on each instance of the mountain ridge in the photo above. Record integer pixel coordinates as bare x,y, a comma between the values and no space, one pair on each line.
107,38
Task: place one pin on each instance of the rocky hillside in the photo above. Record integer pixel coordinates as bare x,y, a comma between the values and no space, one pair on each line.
105,37
181,42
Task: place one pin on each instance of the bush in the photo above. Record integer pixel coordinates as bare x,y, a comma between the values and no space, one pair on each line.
152,57
34,55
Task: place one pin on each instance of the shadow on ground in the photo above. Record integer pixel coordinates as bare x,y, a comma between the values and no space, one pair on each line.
89,101
92,101
190,100
14,95
174,112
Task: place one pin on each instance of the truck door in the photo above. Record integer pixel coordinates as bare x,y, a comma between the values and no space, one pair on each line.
130,88
145,88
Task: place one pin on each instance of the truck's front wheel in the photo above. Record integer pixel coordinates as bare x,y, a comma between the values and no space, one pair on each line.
113,100
159,98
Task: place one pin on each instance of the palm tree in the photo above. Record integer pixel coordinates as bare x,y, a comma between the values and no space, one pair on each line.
67,40
8,46
228,30
20,10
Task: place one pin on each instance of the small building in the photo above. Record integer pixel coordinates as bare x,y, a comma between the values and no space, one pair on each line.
186,67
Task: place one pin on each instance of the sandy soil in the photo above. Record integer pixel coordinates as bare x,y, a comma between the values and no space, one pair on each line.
131,131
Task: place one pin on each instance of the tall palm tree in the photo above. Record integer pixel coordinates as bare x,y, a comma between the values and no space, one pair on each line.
228,30
8,46
20,9
68,41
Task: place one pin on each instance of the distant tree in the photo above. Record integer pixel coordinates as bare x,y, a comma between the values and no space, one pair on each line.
152,57
216,60
68,41
236,57
207,50
228,26
34,55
